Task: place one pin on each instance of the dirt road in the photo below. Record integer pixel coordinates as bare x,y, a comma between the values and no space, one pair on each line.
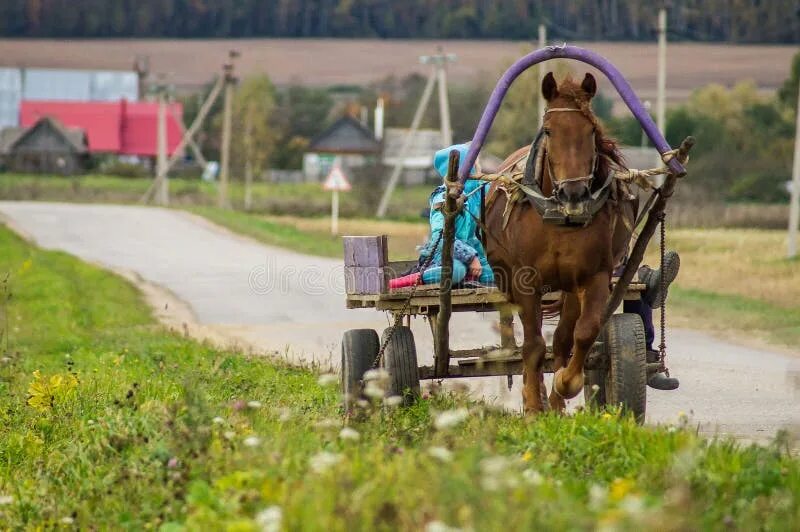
274,300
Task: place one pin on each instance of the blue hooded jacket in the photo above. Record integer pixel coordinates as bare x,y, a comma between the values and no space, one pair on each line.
467,245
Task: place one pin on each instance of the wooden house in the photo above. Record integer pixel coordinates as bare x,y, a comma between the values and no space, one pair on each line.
46,147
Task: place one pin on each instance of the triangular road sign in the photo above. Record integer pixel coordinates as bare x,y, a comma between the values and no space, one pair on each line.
336,180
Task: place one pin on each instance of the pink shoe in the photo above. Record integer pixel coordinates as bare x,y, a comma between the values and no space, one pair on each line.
406,280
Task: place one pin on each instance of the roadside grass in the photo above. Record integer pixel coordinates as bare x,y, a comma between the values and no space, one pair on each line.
109,421
313,235
295,199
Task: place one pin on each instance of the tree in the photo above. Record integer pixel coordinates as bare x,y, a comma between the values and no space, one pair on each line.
787,94
252,111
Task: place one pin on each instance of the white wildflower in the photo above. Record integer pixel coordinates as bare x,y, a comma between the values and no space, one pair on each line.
377,374
595,388
450,418
284,414
327,379
6,499
67,520
218,421
392,401
494,473
327,424
348,433
441,453
362,403
533,477
229,434
269,519
373,390
597,497
252,441
90,422
439,526
632,504
323,461
254,404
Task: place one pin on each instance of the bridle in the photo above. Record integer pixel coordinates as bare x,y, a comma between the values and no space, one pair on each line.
553,208
558,185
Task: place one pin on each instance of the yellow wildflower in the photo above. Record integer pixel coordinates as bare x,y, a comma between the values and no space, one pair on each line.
606,416
43,393
25,267
620,487
527,457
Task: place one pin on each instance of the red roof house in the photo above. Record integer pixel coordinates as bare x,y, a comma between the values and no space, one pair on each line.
124,128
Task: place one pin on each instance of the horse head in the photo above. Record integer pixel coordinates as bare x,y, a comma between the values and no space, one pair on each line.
571,140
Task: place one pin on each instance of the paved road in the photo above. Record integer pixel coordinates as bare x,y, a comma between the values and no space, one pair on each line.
282,301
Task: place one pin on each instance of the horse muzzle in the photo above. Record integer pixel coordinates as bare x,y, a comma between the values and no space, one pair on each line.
574,198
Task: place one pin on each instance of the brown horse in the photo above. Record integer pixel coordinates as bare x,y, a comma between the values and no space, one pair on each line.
531,257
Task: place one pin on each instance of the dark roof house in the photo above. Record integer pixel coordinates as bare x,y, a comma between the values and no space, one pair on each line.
45,147
346,136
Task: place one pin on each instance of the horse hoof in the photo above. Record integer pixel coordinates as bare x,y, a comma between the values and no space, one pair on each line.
557,403
567,389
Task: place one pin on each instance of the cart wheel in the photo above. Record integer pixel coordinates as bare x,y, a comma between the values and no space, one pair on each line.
625,381
359,349
400,361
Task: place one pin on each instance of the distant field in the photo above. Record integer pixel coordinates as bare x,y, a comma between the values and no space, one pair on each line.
190,63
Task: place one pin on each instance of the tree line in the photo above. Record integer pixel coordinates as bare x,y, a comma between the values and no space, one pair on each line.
773,21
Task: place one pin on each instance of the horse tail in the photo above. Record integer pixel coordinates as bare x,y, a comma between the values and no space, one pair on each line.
551,310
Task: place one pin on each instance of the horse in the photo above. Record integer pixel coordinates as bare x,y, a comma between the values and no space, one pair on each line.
531,256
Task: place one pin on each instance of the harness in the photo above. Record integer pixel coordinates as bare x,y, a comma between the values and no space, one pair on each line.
552,209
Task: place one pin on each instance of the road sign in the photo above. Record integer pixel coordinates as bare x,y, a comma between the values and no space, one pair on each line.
336,180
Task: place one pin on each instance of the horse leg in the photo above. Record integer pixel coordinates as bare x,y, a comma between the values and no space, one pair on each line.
533,352
562,343
568,382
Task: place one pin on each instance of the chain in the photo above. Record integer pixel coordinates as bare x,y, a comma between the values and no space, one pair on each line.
662,348
398,316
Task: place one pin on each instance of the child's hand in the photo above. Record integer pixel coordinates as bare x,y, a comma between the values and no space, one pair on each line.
475,268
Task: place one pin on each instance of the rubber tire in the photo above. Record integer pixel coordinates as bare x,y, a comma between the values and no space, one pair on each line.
400,361
359,349
625,381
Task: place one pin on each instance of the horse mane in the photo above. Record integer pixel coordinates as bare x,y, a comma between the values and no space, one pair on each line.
610,156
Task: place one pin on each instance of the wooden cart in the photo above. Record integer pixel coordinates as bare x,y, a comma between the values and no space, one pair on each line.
617,364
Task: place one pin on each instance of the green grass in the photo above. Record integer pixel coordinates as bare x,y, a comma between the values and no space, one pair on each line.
742,315
273,233
298,199
141,428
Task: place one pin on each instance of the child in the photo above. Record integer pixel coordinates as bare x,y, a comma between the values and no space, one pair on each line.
469,257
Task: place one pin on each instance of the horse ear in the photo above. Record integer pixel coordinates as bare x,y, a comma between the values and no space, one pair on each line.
589,85
549,87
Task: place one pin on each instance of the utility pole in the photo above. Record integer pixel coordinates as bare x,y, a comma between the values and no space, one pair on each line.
162,184
438,62
248,164
794,205
225,156
542,44
444,106
662,73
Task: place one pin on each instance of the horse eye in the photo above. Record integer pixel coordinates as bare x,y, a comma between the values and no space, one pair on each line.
546,131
